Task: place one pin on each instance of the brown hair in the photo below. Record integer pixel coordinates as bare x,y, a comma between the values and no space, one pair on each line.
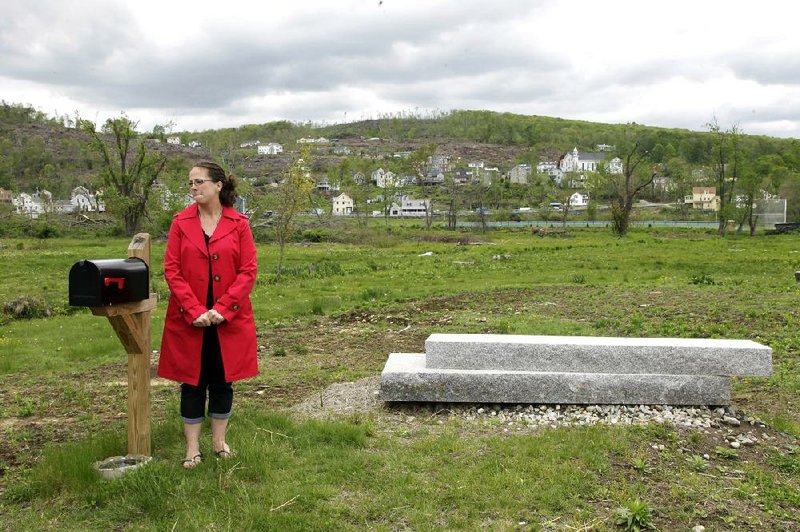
227,196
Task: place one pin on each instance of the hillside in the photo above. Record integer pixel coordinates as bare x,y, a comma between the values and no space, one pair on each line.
41,152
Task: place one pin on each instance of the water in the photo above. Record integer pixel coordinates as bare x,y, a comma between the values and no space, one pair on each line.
552,223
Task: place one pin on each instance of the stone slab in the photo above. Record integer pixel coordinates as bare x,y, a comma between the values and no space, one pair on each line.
407,378
593,354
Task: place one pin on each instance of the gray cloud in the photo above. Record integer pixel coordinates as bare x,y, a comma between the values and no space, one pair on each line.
317,63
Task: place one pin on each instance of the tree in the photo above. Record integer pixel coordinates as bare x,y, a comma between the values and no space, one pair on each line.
454,193
290,199
680,183
727,155
633,148
128,169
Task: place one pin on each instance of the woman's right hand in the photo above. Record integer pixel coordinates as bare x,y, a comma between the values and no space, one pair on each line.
202,321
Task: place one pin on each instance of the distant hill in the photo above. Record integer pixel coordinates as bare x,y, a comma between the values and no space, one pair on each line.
40,151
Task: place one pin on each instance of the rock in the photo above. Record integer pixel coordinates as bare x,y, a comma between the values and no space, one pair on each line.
735,444
698,528
731,421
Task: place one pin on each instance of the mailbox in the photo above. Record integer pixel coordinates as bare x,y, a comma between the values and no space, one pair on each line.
96,283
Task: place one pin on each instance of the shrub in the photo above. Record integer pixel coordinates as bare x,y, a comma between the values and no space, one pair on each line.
25,307
701,279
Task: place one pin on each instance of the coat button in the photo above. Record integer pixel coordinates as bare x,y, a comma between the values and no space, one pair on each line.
180,309
235,307
216,277
215,256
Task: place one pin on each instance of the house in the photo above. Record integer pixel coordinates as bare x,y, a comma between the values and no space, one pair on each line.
489,175
32,205
519,174
175,141
438,164
358,178
433,179
410,207
579,199
323,184
407,180
249,143
5,196
195,144
385,179
462,176
63,207
273,148
82,200
552,170
342,205
309,140
703,198
581,162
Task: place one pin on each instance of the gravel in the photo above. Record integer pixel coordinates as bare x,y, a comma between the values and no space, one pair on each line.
343,399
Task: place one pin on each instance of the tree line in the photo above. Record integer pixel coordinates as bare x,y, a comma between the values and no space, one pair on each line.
739,165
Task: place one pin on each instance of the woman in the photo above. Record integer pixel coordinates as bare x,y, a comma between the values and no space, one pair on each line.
209,336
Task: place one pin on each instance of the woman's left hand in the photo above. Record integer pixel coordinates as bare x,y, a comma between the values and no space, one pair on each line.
215,317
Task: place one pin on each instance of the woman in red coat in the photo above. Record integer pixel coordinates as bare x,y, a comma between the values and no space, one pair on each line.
209,336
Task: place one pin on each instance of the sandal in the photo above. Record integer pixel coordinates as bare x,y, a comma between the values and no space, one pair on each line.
225,452
194,461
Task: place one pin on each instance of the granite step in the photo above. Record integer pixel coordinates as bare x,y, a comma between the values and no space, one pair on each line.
408,377
592,354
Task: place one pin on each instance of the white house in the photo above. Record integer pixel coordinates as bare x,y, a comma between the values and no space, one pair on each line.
82,200
32,205
309,140
174,140
384,179
579,199
273,148
249,143
342,205
195,144
410,207
576,161
552,170
519,174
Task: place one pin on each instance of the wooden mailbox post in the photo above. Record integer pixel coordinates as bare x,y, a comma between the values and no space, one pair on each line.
131,322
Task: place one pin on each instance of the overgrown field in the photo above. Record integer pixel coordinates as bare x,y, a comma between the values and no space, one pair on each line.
334,316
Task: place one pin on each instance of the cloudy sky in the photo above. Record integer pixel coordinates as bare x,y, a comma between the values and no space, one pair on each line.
218,64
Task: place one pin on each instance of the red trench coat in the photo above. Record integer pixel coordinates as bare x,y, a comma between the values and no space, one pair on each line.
233,265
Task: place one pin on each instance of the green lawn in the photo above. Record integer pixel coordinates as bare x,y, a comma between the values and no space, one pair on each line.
338,311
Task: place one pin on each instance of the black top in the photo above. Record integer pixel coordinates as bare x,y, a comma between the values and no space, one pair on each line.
211,368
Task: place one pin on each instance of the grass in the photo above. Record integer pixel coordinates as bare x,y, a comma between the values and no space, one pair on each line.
326,475
339,309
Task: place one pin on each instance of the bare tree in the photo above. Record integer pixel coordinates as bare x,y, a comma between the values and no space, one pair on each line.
129,170
623,188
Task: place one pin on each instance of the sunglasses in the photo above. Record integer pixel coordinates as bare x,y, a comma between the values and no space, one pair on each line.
198,182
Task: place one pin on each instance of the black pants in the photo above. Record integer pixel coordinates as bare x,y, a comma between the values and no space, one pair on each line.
212,385
193,401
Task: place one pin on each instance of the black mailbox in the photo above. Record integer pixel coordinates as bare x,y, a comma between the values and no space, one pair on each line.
96,283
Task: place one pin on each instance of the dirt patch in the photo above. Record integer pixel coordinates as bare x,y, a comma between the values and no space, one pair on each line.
342,399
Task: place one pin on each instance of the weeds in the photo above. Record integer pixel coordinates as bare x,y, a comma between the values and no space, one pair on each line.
634,515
